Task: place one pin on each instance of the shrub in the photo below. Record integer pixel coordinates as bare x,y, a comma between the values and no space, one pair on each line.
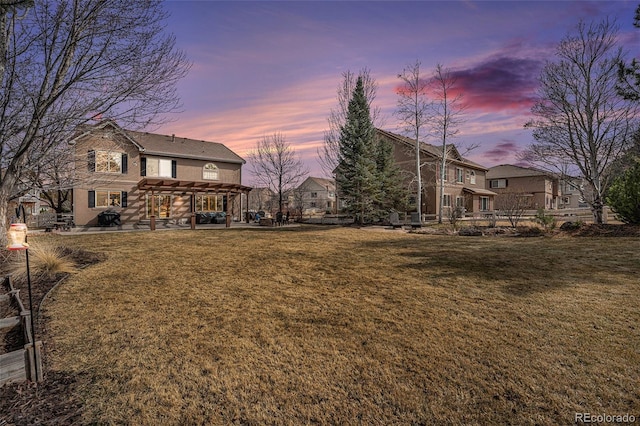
44,260
547,221
624,195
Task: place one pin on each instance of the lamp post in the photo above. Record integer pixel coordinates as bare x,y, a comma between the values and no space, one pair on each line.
17,237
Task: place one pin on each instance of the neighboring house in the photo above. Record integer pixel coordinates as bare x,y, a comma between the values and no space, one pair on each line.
542,188
262,199
149,177
317,195
464,184
570,195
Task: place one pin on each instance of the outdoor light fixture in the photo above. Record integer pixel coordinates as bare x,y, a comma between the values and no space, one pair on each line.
17,237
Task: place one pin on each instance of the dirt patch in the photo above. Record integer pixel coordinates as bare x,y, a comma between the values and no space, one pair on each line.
606,230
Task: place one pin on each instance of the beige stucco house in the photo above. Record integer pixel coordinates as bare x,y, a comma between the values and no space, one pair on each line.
317,195
542,188
464,184
152,177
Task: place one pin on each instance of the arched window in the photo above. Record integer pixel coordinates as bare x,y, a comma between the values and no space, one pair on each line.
210,172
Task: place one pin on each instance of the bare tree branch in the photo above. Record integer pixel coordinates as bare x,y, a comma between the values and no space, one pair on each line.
67,62
277,166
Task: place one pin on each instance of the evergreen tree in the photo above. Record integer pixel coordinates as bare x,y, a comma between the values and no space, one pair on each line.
624,195
356,174
393,194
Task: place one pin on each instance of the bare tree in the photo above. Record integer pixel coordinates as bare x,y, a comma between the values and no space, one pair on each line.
413,111
329,153
513,203
581,119
276,165
446,117
69,61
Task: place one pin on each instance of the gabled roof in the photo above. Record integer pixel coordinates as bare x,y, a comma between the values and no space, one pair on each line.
513,171
172,146
431,150
168,146
318,182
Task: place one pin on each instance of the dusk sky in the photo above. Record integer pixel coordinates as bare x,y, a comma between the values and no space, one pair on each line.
265,67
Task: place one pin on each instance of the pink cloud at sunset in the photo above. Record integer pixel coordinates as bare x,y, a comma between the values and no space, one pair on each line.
261,67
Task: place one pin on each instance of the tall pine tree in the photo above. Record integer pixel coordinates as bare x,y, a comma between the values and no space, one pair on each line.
357,175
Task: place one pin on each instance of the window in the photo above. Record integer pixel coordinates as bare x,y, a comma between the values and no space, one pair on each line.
459,201
313,204
440,172
209,203
162,206
459,175
107,198
107,161
446,201
472,177
210,172
484,204
314,195
158,167
332,194
498,183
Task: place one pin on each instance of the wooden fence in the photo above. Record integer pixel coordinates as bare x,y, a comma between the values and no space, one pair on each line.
20,364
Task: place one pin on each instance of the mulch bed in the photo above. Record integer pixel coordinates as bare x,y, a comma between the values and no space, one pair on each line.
48,402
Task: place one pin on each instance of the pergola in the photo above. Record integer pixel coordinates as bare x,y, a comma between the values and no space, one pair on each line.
191,187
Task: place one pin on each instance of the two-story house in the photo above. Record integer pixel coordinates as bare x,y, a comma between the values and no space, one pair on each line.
149,177
464,182
542,188
317,195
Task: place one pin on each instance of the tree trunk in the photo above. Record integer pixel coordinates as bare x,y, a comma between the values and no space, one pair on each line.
597,210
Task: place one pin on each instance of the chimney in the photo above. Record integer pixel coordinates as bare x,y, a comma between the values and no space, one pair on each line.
173,138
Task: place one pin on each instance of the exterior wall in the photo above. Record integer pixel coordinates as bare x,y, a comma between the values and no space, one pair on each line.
404,157
91,181
540,187
189,169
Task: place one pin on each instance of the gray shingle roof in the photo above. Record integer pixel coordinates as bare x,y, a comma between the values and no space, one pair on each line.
173,146
432,150
168,146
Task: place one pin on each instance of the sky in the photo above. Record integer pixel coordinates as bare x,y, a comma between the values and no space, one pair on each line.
266,67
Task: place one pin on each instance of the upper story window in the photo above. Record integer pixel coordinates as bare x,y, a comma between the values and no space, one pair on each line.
107,161
210,172
439,170
472,177
459,175
314,195
498,183
158,167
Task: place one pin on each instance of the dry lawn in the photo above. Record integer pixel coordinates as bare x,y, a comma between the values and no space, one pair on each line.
348,326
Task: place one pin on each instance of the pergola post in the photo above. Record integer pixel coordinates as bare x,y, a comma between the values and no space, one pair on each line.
152,223
228,215
193,210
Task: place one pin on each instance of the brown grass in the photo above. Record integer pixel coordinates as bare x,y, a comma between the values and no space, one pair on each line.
347,326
